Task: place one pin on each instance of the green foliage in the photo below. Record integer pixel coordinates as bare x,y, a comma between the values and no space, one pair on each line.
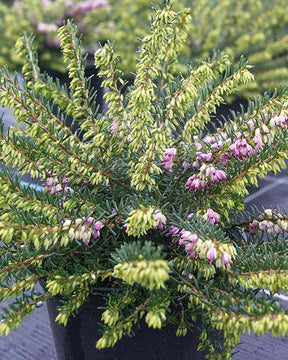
142,196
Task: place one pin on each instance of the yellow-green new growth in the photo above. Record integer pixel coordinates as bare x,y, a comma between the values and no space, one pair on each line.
151,274
140,221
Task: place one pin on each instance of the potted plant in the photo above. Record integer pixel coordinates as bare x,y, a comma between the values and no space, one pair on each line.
141,199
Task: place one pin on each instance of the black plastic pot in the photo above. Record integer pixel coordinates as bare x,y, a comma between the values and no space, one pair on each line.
77,340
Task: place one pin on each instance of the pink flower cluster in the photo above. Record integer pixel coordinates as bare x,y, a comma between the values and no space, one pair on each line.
240,149
212,255
188,239
84,7
265,223
201,157
279,121
169,156
212,216
214,142
213,174
55,185
263,133
84,229
206,176
194,247
45,28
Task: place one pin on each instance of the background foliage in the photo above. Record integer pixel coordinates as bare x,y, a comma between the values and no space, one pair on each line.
255,29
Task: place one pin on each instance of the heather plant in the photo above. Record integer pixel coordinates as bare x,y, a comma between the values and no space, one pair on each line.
142,197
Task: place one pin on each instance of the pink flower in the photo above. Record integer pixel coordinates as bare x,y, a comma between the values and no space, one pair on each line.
49,182
173,230
78,221
114,126
170,153
258,140
211,254
268,212
202,156
251,124
44,28
209,139
58,188
85,238
46,2
221,175
96,234
160,220
226,258
189,247
71,233
212,216
52,190
215,174
224,159
276,228
99,225
85,229
253,226
55,185
193,255
168,165
86,6
262,225
181,242
197,143
188,236
168,159
68,190
185,165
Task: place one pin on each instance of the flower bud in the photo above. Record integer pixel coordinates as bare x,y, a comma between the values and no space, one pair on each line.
211,254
